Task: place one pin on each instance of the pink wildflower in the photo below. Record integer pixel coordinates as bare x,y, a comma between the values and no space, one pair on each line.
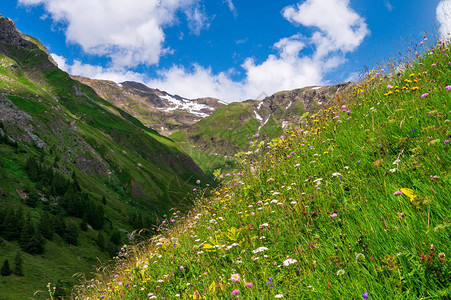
235,277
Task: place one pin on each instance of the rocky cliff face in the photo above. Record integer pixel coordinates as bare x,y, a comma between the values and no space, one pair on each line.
11,36
159,110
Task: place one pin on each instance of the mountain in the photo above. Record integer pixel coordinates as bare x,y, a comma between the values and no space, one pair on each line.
232,127
159,110
77,174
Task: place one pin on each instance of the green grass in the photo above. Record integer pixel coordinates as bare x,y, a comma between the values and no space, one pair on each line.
140,170
319,215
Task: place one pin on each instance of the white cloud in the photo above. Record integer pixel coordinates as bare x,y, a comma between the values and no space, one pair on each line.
130,32
340,27
443,12
388,6
232,8
338,30
97,72
197,19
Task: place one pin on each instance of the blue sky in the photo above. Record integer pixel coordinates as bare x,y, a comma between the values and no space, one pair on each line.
229,49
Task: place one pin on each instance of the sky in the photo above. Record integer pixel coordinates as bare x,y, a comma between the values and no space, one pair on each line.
228,49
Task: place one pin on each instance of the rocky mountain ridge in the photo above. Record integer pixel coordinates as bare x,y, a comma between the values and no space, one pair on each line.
159,110
231,127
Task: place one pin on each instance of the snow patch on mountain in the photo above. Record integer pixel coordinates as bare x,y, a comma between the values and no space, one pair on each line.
286,108
257,116
185,104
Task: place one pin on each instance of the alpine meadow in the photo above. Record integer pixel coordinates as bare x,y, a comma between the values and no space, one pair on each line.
113,188
352,202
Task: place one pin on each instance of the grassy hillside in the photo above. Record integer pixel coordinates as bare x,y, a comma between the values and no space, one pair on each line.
73,165
352,204
231,128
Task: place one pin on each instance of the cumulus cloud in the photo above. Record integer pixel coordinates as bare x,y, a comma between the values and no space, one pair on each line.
443,12
97,72
338,29
129,32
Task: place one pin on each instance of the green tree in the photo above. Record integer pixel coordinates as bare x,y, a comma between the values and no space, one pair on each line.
116,237
18,261
32,199
60,225
6,270
30,240
45,225
84,222
100,241
71,235
12,224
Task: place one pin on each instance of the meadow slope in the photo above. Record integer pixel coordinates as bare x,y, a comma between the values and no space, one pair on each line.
353,204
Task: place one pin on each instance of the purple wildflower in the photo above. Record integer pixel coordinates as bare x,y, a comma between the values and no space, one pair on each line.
365,295
448,87
424,95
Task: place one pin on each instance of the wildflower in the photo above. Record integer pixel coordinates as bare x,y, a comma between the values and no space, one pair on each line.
270,283
235,292
235,277
289,261
181,268
448,87
358,162
260,249
360,256
336,174
433,65
340,272
279,296
397,193
365,295
389,87
251,143
198,181
446,141
256,135
248,284
333,215
424,95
